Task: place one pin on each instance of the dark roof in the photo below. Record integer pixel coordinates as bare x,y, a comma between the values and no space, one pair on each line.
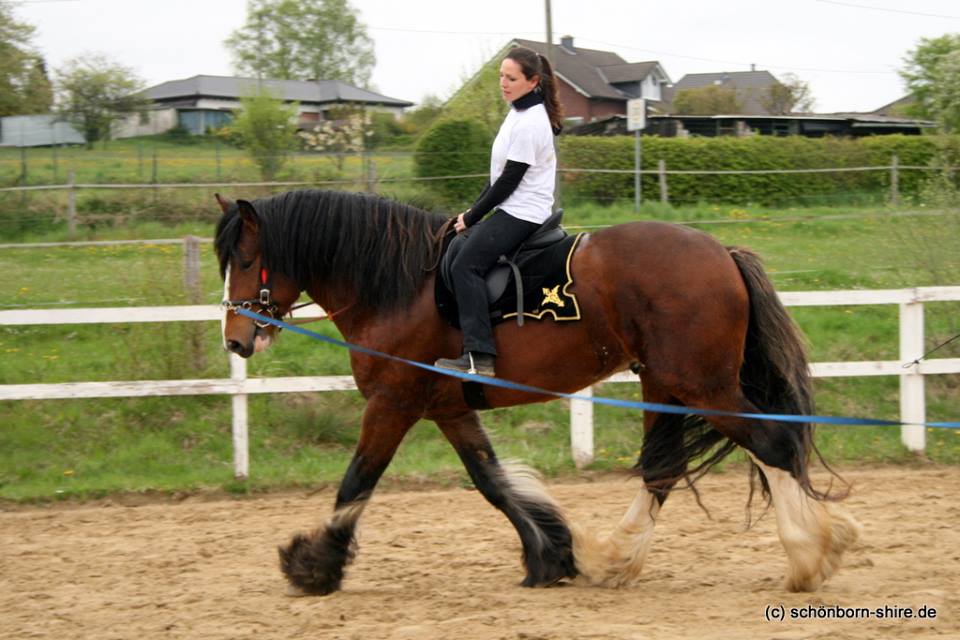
317,92
739,79
591,71
896,105
749,85
632,72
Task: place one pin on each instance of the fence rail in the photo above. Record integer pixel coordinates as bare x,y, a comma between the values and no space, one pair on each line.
239,385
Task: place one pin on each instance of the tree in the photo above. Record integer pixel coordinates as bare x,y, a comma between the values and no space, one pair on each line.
38,90
921,74
454,147
346,131
789,95
303,40
268,131
945,92
707,101
24,87
424,115
93,92
479,97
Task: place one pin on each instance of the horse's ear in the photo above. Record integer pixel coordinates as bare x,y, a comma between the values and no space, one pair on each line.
223,202
251,219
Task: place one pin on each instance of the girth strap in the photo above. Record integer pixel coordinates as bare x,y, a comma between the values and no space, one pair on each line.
519,284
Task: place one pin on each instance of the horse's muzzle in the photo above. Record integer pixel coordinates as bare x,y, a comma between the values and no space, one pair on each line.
242,350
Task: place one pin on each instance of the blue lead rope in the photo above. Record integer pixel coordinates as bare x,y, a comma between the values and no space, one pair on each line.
628,404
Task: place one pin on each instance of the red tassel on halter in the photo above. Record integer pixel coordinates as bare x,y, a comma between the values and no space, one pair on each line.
263,276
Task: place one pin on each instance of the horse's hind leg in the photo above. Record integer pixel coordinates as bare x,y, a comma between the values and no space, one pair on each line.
814,534
616,559
314,563
516,491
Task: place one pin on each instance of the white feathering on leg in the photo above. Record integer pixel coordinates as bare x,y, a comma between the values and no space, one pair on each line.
813,535
616,559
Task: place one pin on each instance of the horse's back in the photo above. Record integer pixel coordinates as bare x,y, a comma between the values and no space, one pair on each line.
658,254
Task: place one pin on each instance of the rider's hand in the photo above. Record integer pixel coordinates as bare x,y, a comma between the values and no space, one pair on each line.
460,225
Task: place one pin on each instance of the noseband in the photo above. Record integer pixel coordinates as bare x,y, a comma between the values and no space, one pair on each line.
264,303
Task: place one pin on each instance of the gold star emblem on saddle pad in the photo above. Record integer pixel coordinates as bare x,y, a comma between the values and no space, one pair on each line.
552,296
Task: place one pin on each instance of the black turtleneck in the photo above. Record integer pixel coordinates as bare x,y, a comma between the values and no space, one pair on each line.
509,180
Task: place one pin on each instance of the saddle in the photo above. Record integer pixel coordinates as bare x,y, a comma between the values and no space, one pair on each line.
541,260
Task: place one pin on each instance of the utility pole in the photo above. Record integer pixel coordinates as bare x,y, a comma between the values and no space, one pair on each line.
549,35
557,183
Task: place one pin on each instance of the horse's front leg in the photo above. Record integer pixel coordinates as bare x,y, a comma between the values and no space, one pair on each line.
516,491
314,563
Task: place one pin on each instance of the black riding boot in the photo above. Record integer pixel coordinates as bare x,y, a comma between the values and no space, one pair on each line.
470,362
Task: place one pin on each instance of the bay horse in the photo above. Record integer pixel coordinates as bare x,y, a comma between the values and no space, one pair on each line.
699,323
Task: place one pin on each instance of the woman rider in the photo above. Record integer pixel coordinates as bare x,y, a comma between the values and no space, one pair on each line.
523,169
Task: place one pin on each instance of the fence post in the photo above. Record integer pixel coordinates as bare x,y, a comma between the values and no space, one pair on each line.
191,283
581,429
153,178
241,450
637,176
912,399
662,174
191,268
894,181
23,175
371,174
72,203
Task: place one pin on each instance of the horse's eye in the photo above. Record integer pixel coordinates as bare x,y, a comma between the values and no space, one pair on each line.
246,264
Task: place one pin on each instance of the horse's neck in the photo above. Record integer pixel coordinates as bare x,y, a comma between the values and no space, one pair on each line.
339,304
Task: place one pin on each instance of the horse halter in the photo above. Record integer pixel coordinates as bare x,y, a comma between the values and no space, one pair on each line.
265,302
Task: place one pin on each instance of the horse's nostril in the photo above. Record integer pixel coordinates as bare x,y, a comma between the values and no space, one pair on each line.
234,347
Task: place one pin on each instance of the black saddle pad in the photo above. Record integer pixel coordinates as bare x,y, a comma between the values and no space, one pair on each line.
546,278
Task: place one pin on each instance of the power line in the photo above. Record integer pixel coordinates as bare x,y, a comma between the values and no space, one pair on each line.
456,33
903,11
738,63
628,47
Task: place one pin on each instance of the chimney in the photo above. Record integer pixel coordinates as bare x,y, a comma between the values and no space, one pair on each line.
567,43
753,67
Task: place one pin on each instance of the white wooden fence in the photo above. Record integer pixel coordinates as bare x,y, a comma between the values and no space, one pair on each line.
239,386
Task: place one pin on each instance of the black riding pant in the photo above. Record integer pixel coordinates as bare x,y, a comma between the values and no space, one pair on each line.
500,233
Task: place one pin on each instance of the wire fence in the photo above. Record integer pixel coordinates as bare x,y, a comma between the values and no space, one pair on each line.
110,188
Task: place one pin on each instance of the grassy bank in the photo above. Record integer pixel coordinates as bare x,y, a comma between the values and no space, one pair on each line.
91,447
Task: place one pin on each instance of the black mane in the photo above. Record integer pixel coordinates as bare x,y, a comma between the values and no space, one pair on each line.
380,248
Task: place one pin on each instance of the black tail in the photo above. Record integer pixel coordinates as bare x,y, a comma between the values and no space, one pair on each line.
775,375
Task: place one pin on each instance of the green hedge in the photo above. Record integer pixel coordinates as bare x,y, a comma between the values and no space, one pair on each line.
450,148
758,152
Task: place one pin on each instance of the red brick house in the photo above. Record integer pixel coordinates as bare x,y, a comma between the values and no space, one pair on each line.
596,84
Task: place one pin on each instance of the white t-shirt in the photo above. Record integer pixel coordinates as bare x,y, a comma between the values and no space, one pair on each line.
526,136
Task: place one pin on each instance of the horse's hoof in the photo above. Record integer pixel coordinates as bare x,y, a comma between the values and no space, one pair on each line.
294,591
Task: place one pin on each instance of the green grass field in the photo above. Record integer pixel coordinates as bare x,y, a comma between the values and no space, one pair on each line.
86,448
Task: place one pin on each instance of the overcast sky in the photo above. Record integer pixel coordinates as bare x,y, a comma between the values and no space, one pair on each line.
847,50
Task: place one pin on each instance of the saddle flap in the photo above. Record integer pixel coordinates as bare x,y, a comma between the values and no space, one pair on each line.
548,234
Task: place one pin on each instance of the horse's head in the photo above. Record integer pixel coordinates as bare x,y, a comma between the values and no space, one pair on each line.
248,282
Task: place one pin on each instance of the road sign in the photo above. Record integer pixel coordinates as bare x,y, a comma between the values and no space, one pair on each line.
636,114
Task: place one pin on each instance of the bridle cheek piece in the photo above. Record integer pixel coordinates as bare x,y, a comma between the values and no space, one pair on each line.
267,306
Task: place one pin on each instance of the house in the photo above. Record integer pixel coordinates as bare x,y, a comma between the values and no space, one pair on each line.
751,87
201,103
596,84
37,131
897,108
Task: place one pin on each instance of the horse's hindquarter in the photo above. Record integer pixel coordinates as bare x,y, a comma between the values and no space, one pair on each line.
674,294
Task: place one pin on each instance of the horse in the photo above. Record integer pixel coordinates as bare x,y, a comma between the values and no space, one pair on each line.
699,323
